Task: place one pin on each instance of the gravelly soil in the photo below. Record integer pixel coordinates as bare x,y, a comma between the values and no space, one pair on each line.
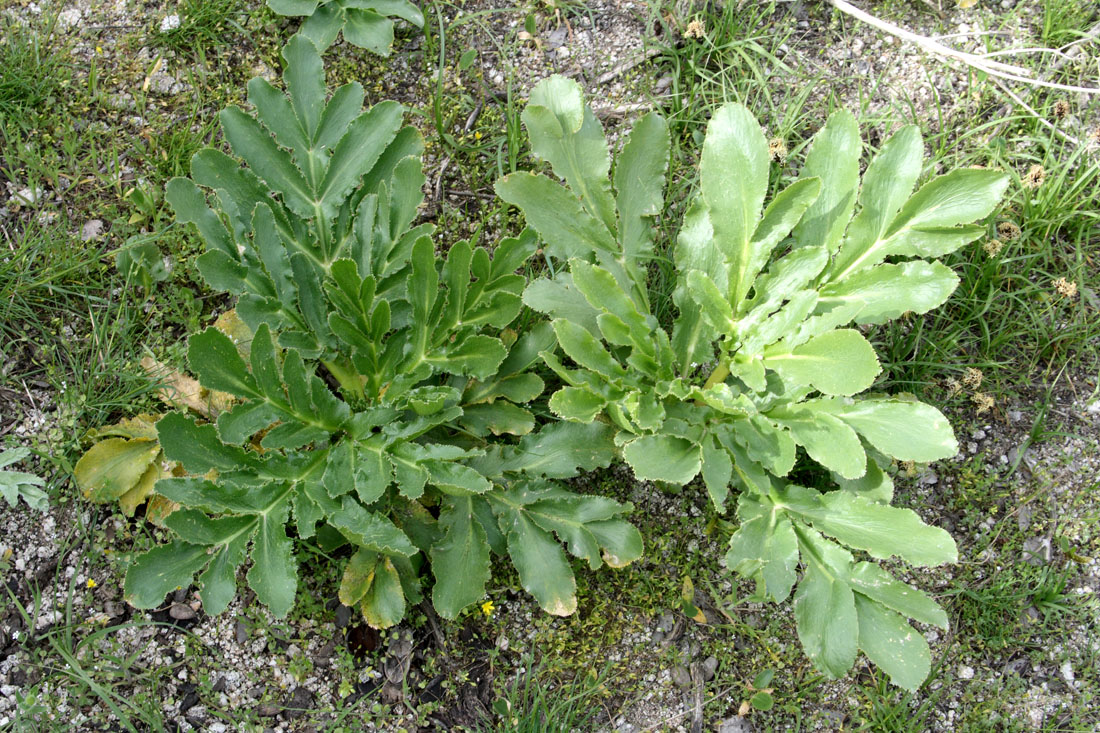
322,669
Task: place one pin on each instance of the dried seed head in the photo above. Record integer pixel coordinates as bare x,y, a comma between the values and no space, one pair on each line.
993,247
1065,288
1008,231
777,149
1034,177
972,378
1060,110
695,29
983,402
953,387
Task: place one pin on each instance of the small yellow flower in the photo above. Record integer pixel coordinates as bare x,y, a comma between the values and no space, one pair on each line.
487,608
91,583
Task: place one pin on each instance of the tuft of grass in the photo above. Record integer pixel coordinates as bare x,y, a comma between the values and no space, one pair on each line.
531,705
34,73
203,26
1065,21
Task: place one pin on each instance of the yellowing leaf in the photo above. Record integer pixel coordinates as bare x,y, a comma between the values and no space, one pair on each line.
180,390
232,326
143,489
965,4
114,466
158,509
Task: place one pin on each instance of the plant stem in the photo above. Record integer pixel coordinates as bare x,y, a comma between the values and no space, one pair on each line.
719,374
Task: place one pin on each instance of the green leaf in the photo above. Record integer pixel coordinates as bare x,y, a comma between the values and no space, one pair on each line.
304,76
870,580
733,179
568,230
460,561
712,303
782,214
156,573
293,7
639,183
543,568
371,530
357,152
559,298
561,450
766,443
663,458
498,418
384,604
369,30
925,226
477,356
214,358
834,158
564,132
892,644
322,27
583,348
219,582
885,292
456,479
829,441
15,484
904,429
889,180
255,145
196,528
274,572
576,404
197,447
824,607
839,362
717,471
764,546
190,206
882,530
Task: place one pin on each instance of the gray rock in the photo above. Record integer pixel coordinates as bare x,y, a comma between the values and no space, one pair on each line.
298,703
93,229
181,612
710,666
735,725
557,38
240,631
343,616
1037,551
680,676
268,710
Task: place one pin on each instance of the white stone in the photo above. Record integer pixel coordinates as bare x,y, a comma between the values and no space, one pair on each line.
170,22
966,673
